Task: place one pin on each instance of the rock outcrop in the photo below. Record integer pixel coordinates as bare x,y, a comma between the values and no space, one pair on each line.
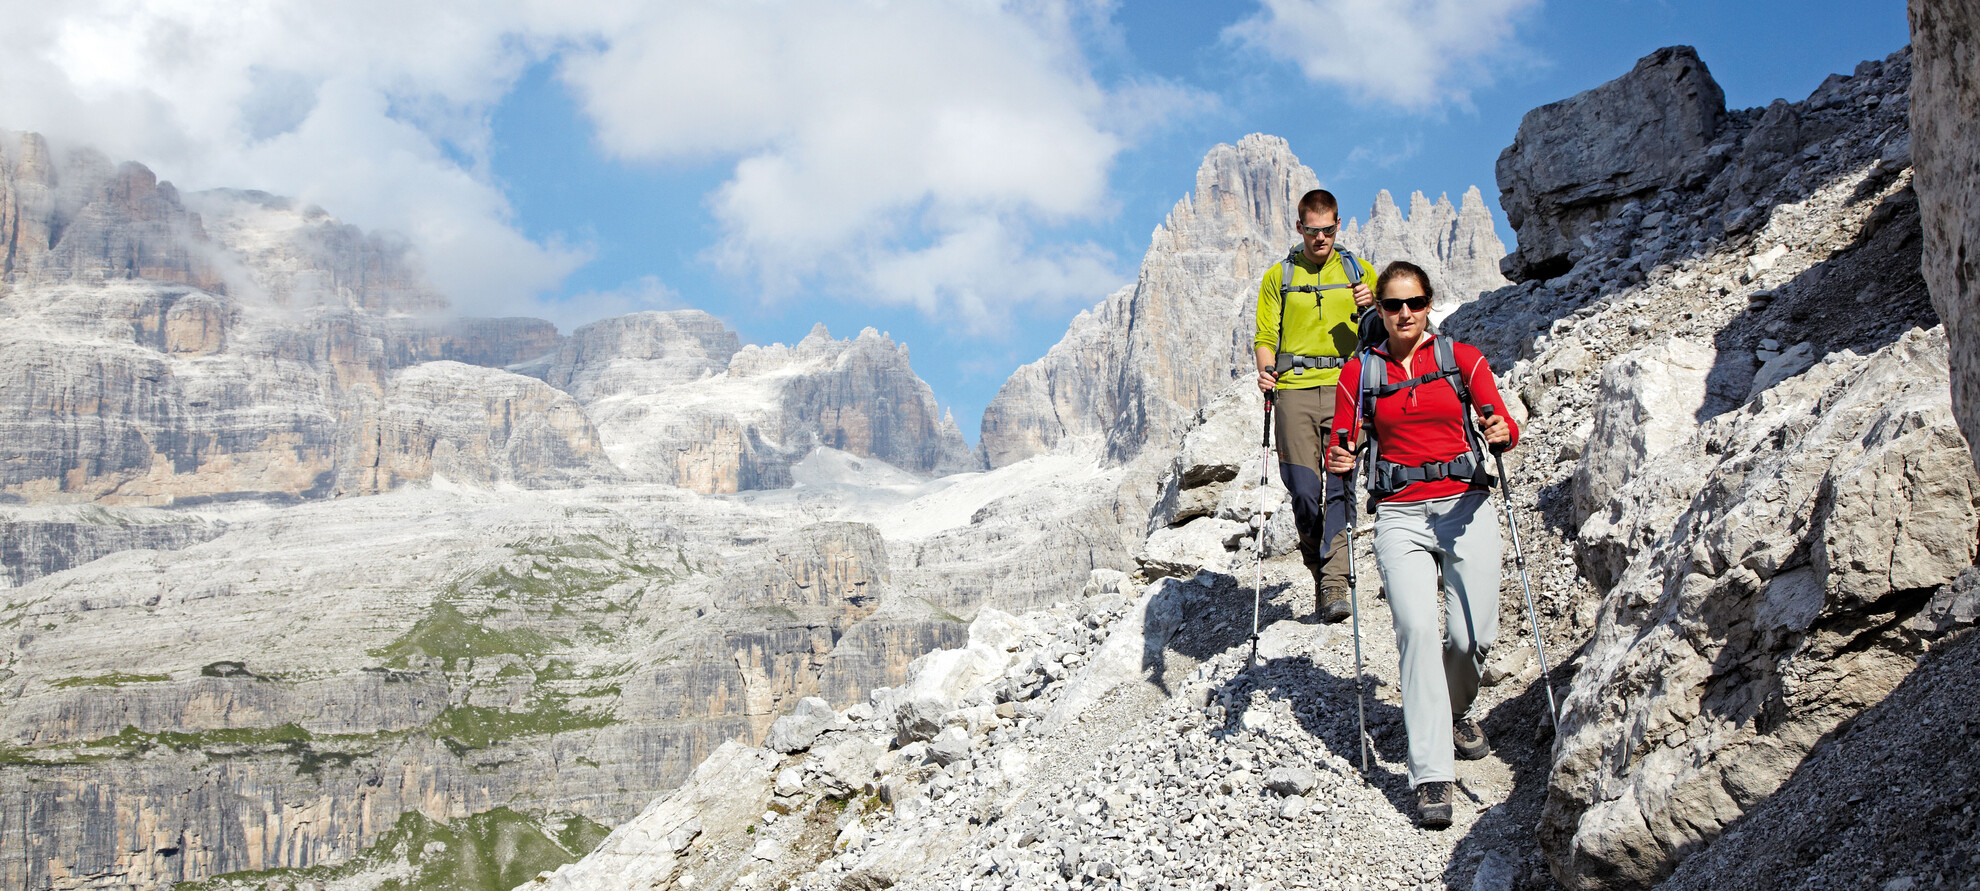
1945,127
677,401
1457,246
1575,161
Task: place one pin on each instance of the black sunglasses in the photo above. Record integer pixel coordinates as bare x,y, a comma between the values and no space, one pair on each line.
1321,230
1396,304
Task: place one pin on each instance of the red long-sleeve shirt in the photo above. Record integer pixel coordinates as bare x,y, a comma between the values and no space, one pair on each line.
1423,424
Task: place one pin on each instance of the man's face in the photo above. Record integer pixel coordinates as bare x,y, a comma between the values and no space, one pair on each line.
1317,230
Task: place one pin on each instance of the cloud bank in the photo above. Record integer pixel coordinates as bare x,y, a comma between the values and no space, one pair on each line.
915,152
1412,53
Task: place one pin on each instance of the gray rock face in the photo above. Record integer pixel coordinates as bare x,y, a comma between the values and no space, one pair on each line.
42,540
1458,246
80,218
642,353
1649,401
1752,622
1945,126
1575,161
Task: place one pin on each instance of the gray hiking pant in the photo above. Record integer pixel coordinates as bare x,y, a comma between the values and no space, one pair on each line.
1439,670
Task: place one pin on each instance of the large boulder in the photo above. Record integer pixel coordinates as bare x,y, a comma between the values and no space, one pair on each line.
1575,161
1945,153
1772,601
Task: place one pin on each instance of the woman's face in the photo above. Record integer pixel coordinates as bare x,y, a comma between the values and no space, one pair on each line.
1405,308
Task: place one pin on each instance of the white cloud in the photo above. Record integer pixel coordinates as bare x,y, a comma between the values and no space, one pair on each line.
904,152
1412,53
375,110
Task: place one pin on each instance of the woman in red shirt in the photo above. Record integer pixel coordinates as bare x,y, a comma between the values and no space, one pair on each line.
1432,511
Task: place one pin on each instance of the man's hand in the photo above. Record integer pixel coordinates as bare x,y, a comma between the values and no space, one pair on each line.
1495,430
1363,298
1267,380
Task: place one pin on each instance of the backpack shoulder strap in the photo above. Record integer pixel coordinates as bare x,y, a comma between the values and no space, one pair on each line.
1374,373
1448,367
1350,265
1285,284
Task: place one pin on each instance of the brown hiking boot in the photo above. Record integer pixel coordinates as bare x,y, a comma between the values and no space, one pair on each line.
1470,739
1332,606
1433,804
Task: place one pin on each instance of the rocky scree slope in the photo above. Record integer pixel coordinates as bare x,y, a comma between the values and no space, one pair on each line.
1740,431
1120,739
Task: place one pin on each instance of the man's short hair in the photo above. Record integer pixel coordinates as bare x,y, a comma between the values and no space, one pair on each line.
1318,201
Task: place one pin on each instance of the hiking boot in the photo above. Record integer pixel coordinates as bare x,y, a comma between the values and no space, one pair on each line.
1470,739
1433,804
1333,606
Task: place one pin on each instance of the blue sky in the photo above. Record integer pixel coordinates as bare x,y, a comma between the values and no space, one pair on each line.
965,175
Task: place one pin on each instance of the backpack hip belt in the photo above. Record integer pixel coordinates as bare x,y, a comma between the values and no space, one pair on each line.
1390,477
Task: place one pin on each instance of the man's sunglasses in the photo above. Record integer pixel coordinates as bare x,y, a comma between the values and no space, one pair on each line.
1328,231
1396,304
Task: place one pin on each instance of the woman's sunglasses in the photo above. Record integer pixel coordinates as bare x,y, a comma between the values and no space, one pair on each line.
1396,304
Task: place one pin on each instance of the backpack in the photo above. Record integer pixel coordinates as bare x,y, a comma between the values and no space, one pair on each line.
1387,477
1288,361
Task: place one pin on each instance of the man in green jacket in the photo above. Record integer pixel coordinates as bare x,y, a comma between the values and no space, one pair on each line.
1305,331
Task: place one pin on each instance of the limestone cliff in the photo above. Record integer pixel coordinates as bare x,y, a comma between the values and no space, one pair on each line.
281,693
677,401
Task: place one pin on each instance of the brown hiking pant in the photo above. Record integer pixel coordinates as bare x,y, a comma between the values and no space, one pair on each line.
1302,421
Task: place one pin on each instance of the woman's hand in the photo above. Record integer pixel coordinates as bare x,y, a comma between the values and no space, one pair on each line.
1339,460
1495,429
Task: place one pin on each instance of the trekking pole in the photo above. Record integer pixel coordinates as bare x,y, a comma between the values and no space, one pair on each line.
1354,608
1519,558
1264,480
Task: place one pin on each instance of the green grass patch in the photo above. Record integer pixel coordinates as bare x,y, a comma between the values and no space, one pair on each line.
447,635
113,679
312,753
495,850
465,728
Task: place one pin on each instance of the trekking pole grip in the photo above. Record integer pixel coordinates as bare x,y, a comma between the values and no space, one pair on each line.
1498,448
